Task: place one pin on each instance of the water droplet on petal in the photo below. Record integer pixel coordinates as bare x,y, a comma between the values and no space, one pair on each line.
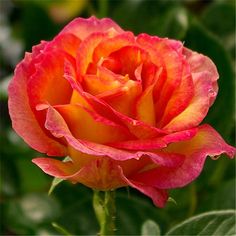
215,157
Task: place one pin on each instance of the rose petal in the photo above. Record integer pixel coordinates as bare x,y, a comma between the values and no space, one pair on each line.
105,81
180,98
58,127
123,101
158,196
109,45
85,52
68,43
23,119
137,128
101,174
48,75
155,143
86,124
204,74
199,64
82,28
207,142
145,110
130,58
167,58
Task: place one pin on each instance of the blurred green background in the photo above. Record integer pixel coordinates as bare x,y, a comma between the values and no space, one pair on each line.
205,26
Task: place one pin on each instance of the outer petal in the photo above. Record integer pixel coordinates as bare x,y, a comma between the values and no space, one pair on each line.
23,119
199,64
82,28
101,174
47,83
158,196
207,142
58,127
204,74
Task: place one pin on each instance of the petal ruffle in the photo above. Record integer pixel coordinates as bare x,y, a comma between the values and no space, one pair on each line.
156,143
207,142
82,28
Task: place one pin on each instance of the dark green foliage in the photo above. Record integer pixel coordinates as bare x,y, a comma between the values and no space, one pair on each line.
205,26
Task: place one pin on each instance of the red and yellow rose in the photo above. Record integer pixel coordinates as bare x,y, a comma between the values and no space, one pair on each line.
126,109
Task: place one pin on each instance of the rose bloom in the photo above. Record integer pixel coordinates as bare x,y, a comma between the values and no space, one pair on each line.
126,109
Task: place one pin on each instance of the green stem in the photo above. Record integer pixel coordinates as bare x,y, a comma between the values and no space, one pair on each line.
104,207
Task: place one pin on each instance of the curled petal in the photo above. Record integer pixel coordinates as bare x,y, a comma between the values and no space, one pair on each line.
200,64
180,98
145,110
207,142
23,118
109,45
204,75
68,43
85,52
156,143
167,58
88,125
48,75
58,127
158,196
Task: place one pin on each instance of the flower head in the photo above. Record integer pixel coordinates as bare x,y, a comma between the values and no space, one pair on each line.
126,109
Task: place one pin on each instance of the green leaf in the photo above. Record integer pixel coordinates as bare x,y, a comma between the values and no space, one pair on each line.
60,229
150,227
57,181
210,223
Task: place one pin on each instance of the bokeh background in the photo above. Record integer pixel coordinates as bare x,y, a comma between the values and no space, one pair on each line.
205,26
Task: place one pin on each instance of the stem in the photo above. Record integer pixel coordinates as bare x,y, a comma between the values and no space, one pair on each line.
104,207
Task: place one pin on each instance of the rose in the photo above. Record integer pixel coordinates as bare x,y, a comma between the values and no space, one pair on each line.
126,109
